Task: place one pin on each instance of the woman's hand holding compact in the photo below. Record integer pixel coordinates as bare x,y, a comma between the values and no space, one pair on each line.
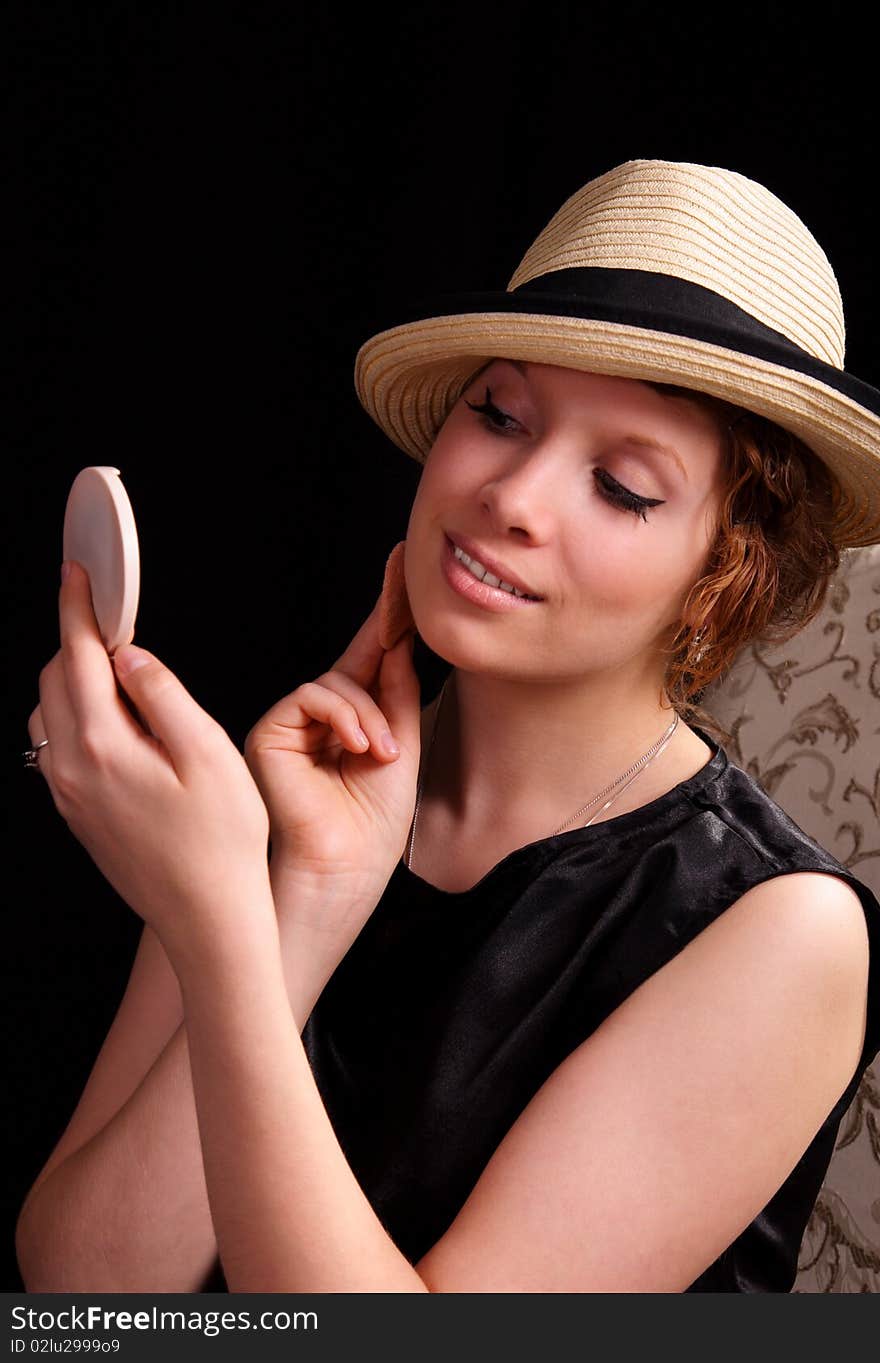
167,808
341,803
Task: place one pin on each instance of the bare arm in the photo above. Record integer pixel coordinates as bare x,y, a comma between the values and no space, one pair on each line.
124,1207
642,1197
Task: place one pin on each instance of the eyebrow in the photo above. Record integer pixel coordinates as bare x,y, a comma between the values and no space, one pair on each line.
646,441
650,443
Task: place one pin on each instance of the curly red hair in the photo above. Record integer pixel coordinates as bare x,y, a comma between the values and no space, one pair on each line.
773,557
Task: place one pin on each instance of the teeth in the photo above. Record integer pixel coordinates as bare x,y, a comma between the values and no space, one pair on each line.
482,575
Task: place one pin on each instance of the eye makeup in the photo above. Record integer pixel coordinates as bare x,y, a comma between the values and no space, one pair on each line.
493,419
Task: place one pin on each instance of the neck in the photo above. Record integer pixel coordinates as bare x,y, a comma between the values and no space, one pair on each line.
508,751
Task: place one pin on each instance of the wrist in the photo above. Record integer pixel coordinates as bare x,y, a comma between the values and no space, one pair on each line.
218,938
317,926
301,891
319,915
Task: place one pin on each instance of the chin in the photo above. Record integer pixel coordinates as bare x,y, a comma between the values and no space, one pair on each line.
449,641
457,644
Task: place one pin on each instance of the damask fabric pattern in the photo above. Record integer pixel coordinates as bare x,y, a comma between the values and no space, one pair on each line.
803,720
451,1009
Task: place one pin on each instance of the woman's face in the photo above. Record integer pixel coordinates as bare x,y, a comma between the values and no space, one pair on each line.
536,481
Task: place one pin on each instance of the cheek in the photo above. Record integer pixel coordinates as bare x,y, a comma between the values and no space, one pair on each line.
633,568
450,480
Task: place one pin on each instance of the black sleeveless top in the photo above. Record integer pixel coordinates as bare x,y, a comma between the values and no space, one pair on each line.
450,1010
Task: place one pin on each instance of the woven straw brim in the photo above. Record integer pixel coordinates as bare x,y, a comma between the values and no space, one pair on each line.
408,377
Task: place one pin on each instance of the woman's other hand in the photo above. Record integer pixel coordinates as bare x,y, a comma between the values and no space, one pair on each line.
340,806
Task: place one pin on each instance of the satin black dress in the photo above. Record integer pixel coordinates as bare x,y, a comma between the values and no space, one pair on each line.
450,1010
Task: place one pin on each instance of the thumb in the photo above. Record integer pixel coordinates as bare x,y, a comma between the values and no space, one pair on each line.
400,692
164,704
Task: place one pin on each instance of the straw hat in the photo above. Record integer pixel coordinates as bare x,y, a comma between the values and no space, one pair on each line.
661,270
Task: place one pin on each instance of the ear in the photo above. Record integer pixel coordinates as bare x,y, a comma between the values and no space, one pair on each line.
395,615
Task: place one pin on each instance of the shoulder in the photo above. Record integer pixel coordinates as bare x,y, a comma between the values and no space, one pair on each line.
801,939
820,915
817,909
792,958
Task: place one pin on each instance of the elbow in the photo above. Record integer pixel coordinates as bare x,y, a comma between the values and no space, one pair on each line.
44,1256
47,1267
36,1273
25,1255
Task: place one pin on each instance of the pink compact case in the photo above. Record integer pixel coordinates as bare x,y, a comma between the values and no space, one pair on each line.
100,534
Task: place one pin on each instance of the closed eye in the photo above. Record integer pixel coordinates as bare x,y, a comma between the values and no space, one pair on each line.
621,496
492,414
610,489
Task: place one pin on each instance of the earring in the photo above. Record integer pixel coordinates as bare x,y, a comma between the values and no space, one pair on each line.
700,651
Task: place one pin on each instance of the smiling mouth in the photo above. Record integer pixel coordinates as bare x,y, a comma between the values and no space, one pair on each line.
481,573
475,589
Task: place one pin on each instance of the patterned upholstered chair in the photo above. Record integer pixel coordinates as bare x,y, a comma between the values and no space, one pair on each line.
804,720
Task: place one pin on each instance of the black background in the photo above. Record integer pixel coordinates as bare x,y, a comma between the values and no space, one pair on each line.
206,212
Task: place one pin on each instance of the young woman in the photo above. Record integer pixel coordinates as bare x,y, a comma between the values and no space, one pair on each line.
581,1007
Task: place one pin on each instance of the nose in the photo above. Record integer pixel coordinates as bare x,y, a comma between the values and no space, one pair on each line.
529,492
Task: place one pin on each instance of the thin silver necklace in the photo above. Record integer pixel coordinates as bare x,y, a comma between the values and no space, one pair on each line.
628,777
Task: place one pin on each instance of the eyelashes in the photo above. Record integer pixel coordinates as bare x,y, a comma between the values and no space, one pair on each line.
492,418
488,407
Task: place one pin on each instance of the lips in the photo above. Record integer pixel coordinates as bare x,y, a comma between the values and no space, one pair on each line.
492,564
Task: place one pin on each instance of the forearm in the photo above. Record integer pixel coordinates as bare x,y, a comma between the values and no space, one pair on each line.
312,929
288,1212
129,1210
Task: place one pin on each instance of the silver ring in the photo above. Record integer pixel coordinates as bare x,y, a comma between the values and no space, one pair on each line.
30,757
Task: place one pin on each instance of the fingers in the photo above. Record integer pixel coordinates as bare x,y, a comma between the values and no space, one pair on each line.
396,716
340,698
88,672
333,700
364,713
362,657
400,692
389,620
56,712
37,732
52,719
35,727
190,736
